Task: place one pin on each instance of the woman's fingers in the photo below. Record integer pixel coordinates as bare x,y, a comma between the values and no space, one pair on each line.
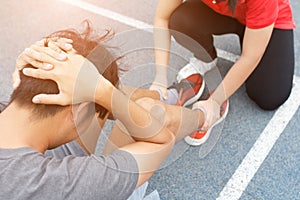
162,89
212,112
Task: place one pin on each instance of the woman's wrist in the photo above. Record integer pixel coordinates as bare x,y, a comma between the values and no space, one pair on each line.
217,98
161,76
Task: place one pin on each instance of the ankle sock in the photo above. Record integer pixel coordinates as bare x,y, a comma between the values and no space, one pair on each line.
172,97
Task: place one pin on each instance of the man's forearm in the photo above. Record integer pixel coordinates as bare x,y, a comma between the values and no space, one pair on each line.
139,122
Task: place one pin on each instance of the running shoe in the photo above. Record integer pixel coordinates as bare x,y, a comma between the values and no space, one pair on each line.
199,137
189,89
195,66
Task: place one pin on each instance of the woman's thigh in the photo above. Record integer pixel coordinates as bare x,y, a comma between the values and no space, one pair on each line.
194,15
199,22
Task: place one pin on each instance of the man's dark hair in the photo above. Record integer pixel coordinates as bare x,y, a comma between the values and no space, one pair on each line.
87,44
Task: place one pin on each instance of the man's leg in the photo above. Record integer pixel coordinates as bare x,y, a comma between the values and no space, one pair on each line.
179,120
137,93
117,137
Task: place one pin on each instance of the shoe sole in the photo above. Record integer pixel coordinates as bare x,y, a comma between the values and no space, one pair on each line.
196,142
197,96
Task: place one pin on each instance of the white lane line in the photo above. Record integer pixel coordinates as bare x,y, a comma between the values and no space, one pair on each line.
255,157
260,150
109,14
133,22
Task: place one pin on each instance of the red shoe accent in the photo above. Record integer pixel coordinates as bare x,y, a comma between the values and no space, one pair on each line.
189,89
198,134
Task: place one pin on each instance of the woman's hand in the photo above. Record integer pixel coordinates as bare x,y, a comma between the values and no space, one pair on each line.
162,89
58,47
212,112
160,82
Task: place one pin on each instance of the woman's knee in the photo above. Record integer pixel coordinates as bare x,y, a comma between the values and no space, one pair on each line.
268,101
270,104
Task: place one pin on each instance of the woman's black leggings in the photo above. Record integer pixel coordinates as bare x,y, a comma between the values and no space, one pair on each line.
271,82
